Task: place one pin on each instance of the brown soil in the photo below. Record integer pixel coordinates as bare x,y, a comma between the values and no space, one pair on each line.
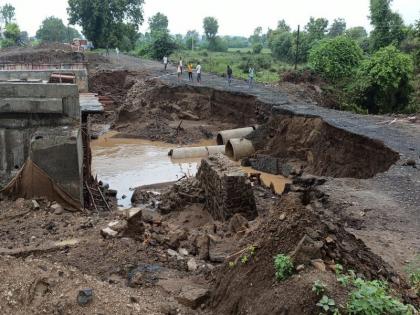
322,149
184,114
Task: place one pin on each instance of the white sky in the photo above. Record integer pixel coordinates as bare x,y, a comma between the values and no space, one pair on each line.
236,17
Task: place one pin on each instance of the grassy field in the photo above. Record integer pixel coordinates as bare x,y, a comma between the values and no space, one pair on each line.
248,50
267,69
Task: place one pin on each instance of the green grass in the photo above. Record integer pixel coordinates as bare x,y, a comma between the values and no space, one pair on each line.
267,69
248,50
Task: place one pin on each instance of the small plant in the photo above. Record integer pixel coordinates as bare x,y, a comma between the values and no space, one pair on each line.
232,264
244,259
251,250
414,278
371,297
344,280
327,305
319,287
284,266
338,269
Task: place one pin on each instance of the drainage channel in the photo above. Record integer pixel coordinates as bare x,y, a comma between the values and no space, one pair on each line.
128,163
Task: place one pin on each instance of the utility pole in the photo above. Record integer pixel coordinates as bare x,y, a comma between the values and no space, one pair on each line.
297,47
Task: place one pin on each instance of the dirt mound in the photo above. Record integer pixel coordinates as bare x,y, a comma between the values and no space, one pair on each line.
250,287
322,149
184,114
42,55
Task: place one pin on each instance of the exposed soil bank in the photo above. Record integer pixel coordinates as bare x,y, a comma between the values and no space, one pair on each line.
322,149
184,114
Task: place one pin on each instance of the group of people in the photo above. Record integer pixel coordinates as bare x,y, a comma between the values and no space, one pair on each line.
190,69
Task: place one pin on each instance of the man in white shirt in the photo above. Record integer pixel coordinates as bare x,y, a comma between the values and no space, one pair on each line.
165,62
198,69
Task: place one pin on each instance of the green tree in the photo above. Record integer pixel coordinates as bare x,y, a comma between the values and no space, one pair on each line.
335,58
162,45
281,44
388,26
282,26
316,28
357,33
8,13
337,28
158,23
11,35
211,27
53,29
383,81
101,19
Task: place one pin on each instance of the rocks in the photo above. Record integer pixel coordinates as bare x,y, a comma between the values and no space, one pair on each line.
35,205
183,252
175,238
131,225
238,223
227,189
202,244
319,264
109,233
193,296
85,297
188,116
306,250
192,264
410,162
57,208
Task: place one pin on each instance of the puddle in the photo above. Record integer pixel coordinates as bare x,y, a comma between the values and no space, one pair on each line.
128,163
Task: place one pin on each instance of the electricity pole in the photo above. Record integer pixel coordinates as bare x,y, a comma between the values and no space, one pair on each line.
297,47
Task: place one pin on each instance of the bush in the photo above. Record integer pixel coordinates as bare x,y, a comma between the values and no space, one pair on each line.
371,297
383,83
284,266
257,48
335,58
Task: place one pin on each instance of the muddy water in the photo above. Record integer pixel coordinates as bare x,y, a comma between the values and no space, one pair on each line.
128,163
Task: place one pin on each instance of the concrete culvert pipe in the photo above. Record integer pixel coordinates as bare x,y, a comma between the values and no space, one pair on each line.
224,136
239,148
196,152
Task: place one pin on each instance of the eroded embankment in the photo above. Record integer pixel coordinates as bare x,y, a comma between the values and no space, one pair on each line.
184,114
322,149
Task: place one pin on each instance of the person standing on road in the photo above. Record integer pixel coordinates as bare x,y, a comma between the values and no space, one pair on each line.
251,74
198,69
229,73
165,61
179,73
190,72
180,64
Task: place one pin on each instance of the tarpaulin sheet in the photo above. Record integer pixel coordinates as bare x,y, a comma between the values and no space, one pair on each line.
33,182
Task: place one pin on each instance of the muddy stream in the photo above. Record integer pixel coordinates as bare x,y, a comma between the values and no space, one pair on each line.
125,164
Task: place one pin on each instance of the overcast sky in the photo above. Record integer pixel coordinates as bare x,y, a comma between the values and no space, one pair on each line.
236,17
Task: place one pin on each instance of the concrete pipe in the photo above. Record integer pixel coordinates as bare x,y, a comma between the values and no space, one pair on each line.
239,148
224,136
195,152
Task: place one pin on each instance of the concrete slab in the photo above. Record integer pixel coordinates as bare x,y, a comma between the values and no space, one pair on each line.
31,105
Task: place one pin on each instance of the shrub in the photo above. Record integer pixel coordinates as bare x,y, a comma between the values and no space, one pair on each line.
335,58
284,266
371,297
383,81
327,304
318,287
257,48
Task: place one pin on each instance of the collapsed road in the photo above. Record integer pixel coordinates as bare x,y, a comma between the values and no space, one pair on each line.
205,244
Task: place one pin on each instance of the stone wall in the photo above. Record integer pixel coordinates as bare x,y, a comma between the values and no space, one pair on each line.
227,189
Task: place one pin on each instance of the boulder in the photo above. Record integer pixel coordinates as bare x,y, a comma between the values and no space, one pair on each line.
193,296
306,250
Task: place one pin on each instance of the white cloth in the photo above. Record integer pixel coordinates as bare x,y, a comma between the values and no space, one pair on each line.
198,69
165,59
180,63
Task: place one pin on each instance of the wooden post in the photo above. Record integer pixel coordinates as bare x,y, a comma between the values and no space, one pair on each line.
297,47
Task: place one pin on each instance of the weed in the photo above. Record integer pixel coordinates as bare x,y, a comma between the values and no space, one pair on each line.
232,264
244,259
251,250
338,269
327,305
318,287
284,266
371,297
413,271
344,280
